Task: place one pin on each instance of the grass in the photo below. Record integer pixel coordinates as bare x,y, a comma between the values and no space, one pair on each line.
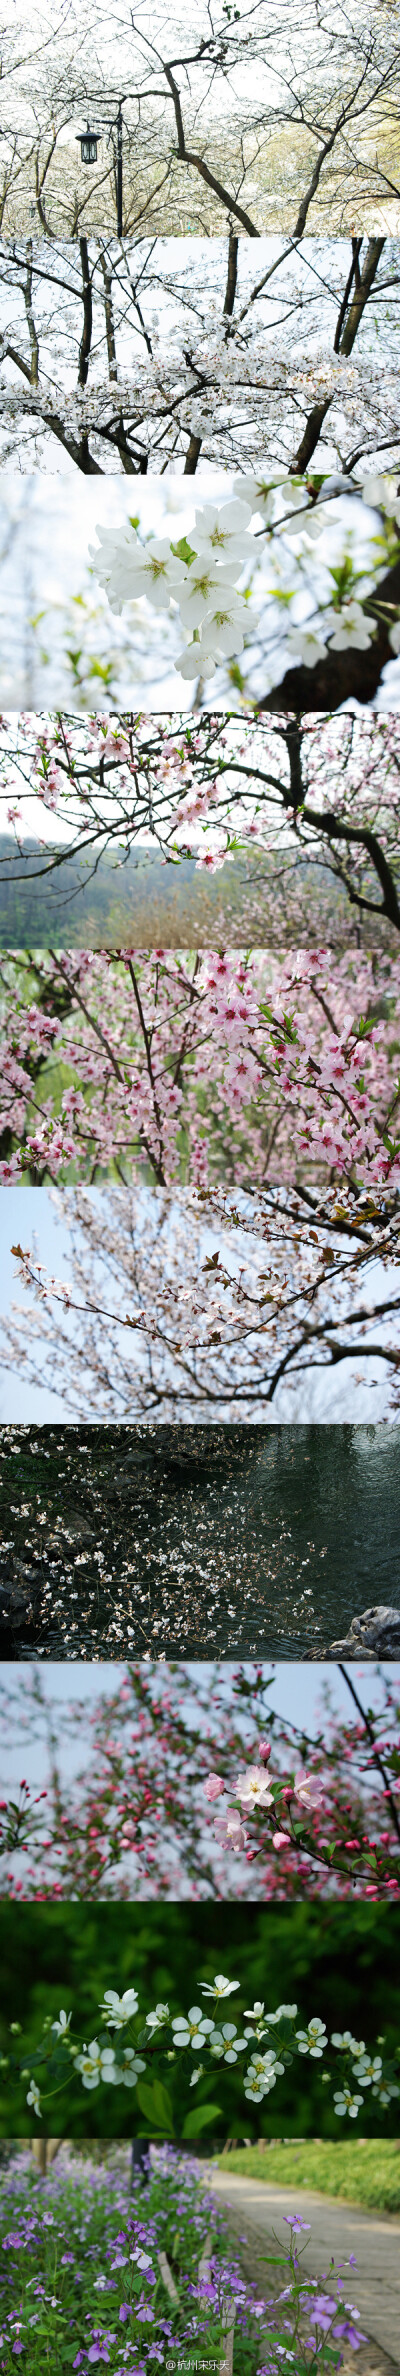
362,2170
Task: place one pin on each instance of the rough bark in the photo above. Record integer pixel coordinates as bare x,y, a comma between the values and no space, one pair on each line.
340,676
361,294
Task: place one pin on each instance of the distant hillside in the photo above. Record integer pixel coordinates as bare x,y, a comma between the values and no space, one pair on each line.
146,904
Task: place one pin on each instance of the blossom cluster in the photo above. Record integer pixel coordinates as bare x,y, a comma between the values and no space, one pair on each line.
198,2033
169,395
304,1079
134,1823
289,1283
205,583
202,577
322,788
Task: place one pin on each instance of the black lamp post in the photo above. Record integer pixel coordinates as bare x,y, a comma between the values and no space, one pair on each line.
88,144
119,170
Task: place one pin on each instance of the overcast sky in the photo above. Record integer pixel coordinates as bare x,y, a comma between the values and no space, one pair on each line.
69,1683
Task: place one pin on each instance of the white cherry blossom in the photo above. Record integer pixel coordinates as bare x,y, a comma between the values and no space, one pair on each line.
190,662
304,643
223,628
351,628
221,533
205,585
128,569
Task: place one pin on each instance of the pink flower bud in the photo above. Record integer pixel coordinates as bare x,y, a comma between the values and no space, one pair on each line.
214,1786
280,1840
264,1751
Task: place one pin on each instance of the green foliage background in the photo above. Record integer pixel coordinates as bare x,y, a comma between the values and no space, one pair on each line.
341,1962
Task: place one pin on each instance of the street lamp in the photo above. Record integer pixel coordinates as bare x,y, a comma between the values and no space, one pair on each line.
88,143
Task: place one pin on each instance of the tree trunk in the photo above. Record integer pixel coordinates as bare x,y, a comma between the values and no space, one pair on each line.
340,676
44,2151
361,295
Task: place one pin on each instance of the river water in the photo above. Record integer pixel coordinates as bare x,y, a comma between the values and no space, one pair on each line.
194,1541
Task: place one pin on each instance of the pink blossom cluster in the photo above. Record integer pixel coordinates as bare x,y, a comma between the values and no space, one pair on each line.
133,1825
287,788
205,1066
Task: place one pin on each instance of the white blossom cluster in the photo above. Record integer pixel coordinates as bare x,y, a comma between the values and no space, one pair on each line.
202,577
212,610
197,2032
179,365
240,399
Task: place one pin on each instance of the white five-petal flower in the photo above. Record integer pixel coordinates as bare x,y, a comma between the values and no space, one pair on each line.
116,2010
313,2039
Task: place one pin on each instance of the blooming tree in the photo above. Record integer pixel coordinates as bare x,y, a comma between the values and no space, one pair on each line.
305,792
233,120
149,1815
303,1081
114,361
299,1284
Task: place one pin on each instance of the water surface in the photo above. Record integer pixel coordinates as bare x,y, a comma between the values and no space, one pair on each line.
170,1541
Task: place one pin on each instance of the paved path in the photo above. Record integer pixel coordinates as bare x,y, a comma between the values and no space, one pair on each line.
336,2227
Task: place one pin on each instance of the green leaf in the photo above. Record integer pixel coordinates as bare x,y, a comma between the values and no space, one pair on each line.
393,1759
154,2100
279,2259
184,551
200,2118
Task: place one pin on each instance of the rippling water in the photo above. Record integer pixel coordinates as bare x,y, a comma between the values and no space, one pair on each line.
193,1540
